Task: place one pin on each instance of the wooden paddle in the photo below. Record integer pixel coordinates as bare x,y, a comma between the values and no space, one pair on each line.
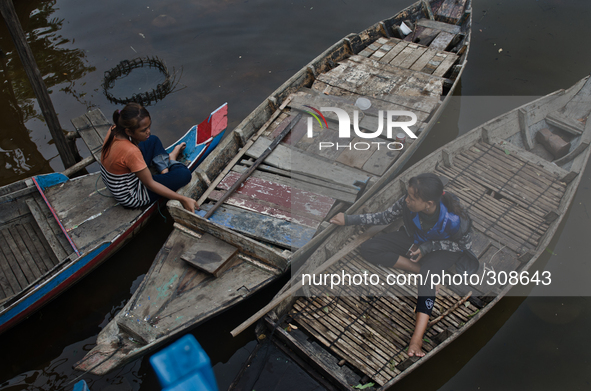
261,158
328,263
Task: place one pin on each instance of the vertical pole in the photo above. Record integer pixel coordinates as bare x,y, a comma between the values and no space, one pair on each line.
26,55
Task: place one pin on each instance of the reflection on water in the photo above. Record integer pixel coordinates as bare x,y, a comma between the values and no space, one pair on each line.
240,51
60,67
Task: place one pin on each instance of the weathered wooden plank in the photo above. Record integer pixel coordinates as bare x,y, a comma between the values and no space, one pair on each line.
41,257
209,254
413,57
445,65
9,196
357,158
91,138
397,47
284,197
58,233
449,28
424,104
41,220
266,208
565,123
369,119
450,11
100,123
20,280
399,76
426,35
293,160
29,255
442,41
434,63
408,51
113,222
41,244
276,231
303,182
381,160
10,284
330,141
80,200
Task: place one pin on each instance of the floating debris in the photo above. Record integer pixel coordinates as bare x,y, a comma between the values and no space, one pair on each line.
125,67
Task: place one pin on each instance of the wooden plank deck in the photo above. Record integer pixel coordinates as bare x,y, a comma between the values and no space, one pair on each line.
92,127
394,75
78,208
30,244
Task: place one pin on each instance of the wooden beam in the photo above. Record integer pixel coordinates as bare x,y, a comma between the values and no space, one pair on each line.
26,55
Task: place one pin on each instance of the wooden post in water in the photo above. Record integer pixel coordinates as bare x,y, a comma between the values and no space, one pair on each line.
26,55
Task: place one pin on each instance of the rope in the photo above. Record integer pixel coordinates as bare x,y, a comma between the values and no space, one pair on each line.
98,191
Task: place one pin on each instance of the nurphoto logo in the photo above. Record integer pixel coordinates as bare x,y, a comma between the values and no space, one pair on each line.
393,121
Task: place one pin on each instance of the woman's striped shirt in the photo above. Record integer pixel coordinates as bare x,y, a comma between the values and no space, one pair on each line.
127,189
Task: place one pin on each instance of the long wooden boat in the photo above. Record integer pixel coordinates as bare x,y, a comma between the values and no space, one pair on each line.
282,208
55,230
516,191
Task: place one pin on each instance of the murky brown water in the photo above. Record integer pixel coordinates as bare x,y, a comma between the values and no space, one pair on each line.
240,51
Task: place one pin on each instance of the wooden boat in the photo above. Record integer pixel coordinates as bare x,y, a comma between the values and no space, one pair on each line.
208,265
516,192
55,230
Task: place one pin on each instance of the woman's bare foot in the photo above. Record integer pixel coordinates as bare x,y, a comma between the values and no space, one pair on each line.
415,348
177,151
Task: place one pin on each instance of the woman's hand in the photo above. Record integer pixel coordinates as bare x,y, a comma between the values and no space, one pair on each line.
189,204
146,177
416,255
338,219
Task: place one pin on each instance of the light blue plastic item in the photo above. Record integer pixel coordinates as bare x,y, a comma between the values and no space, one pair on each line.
184,366
81,386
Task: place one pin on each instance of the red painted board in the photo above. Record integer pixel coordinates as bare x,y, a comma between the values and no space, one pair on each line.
300,202
295,134
245,202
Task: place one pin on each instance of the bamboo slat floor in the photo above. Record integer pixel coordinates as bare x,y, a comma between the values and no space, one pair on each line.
371,328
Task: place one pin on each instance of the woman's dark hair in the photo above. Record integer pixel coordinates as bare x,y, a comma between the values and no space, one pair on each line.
428,187
128,118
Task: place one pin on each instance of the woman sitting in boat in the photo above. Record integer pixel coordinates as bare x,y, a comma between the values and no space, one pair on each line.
129,149
438,230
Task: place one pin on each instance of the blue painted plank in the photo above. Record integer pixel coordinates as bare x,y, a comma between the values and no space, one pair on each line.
270,229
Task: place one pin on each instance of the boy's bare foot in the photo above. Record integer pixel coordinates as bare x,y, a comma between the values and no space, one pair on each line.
177,151
415,349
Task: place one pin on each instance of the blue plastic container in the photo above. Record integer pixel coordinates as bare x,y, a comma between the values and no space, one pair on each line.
184,366
81,386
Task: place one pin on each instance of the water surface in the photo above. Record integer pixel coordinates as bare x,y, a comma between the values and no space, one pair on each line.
239,52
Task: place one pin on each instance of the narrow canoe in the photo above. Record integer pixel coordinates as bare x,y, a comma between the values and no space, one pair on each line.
281,210
516,187
55,230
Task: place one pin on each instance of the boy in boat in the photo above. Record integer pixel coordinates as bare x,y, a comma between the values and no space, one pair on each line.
128,150
436,230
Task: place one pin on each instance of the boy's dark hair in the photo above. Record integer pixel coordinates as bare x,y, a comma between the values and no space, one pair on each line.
428,187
